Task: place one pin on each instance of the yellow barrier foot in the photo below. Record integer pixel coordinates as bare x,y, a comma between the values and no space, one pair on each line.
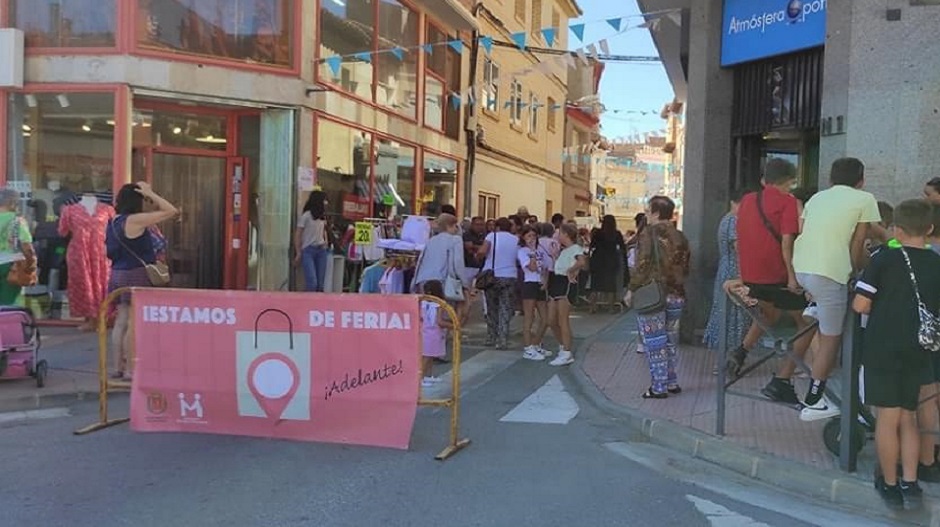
100,426
452,449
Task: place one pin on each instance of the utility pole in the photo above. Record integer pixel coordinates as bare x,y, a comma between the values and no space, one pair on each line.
470,127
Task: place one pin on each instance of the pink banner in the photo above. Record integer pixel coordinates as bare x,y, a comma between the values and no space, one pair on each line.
310,367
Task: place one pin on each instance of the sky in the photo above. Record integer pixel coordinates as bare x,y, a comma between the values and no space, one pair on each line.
625,86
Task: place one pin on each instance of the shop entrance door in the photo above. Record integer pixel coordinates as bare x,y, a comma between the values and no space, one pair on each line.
195,241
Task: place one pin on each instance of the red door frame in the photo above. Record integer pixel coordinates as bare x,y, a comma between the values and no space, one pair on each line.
236,219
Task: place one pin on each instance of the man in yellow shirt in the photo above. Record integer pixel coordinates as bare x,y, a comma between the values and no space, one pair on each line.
831,246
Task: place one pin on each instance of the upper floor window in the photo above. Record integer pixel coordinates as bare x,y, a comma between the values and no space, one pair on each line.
552,114
490,98
351,27
520,10
515,99
533,114
65,24
536,19
442,83
260,31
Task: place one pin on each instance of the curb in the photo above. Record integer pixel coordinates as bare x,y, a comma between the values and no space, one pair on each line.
41,400
826,486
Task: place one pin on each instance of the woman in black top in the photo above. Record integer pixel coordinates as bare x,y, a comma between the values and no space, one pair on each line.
607,258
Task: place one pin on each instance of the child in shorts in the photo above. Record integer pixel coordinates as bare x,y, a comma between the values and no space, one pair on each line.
895,363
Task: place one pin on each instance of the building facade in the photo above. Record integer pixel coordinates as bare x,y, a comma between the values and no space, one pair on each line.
582,137
521,104
808,81
234,111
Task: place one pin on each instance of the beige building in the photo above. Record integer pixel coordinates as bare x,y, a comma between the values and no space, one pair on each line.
521,99
582,137
621,187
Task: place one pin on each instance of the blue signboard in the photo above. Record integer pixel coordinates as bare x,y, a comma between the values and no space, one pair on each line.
754,29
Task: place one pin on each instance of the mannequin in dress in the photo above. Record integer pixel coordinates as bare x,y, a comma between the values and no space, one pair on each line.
88,265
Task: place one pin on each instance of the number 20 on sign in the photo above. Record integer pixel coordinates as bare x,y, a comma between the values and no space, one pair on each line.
363,233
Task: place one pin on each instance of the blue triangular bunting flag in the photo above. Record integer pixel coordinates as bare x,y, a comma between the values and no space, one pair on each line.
455,101
549,34
365,56
456,45
519,39
487,43
615,23
578,30
399,53
334,62
428,48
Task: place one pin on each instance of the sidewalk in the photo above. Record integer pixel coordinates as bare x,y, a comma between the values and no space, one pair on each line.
762,440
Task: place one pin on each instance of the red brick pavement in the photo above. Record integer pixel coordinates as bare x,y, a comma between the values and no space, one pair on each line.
622,375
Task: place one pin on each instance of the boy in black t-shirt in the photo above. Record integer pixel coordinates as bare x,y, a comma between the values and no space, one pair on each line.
895,364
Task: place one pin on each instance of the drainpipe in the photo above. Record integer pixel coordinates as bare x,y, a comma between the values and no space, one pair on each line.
469,122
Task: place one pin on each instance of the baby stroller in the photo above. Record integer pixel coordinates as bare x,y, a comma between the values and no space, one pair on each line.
19,346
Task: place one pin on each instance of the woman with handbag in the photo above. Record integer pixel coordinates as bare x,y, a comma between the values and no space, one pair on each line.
16,242
133,244
443,259
657,294
498,280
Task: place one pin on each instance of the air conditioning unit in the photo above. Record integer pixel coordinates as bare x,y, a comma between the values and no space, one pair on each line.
11,58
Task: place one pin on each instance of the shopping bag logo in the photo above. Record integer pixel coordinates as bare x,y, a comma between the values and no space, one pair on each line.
273,372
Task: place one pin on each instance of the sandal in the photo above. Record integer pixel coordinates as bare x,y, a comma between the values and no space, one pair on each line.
650,394
675,390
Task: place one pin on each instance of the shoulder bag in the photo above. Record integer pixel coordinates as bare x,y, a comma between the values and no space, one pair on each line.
928,331
23,273
453,286
651,298
158,273
487,277
763,217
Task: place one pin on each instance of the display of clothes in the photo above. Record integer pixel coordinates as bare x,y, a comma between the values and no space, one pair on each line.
89,268
371,277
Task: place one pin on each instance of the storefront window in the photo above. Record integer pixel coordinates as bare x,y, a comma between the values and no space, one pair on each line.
180,130
344,164
394,178
65,24
59,145
348,27
440,183
254,31
397,80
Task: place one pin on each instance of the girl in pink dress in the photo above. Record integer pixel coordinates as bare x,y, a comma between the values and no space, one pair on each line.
434,326
89,268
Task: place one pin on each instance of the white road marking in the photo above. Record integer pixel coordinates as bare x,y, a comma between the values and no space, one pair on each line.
33,415
720,516
550,404
474,373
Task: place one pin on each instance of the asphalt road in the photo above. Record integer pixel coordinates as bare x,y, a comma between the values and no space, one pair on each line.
582,470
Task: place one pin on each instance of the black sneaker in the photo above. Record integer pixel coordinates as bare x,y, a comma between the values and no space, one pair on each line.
890,493
929,473
780,391
912,493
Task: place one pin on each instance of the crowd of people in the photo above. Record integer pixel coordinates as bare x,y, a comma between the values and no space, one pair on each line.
813,256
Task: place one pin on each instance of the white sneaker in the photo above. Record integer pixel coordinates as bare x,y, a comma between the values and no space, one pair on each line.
811,311
428,382
532,353
564,358
824,409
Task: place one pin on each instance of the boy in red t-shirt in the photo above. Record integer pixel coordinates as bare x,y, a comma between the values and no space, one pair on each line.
768,223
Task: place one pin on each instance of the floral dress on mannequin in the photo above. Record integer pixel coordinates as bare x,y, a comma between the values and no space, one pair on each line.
88,265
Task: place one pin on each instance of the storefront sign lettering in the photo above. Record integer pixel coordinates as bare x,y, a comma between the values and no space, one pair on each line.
755,29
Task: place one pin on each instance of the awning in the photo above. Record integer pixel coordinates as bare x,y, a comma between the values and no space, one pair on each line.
452,13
